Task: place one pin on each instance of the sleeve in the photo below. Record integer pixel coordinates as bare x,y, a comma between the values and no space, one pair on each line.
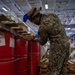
45,29
43,35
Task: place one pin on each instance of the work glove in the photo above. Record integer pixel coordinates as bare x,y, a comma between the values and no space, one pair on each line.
36,38
29,14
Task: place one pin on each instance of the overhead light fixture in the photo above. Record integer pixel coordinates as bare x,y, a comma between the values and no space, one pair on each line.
46,6
4,9
68,28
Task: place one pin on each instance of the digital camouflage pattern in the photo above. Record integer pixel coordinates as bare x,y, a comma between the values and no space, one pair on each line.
52,29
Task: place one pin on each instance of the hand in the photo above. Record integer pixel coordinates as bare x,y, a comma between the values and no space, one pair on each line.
30,37
36,39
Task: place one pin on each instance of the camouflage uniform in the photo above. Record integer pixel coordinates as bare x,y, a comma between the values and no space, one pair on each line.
52,29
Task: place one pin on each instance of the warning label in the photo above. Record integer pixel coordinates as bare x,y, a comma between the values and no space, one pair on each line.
2,40
12,42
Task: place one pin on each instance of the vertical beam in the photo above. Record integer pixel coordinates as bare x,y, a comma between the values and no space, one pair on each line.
42,5
54,4
17,6
65,13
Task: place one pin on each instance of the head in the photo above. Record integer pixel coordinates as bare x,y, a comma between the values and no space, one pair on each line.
36,19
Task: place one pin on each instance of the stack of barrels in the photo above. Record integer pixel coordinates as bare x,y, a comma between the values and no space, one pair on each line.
6,53
18,56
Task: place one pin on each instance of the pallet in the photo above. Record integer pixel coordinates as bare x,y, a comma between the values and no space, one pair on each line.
3,18
18,29
71,67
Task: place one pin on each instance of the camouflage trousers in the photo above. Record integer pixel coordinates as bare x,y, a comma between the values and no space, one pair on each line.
59,55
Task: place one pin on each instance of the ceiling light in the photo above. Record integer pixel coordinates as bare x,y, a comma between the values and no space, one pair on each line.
68,28
46,6
4,9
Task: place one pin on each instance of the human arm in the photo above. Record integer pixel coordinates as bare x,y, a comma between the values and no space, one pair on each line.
43,35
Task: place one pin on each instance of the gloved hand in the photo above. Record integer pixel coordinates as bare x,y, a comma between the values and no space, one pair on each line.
36,38
25,17
29,14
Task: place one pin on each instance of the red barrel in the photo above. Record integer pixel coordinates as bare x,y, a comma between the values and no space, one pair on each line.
22,73
33,58
21,56
32,70
6,53
20,64
35,47
6,46
21,47
7,68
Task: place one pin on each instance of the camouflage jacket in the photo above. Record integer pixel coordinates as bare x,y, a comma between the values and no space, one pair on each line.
51,28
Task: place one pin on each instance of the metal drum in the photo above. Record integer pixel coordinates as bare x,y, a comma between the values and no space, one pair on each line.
33,58
7,68
21,56
6,53
6,46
